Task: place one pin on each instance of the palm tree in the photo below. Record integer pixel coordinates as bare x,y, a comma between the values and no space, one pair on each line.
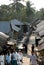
29,11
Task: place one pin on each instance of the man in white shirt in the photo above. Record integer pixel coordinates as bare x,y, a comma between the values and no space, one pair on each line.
8,58
2,59
20,58
14,55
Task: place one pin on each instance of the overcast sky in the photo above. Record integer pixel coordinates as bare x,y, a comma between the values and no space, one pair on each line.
37,3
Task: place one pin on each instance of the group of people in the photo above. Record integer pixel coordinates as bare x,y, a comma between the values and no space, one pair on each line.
16,56
11,58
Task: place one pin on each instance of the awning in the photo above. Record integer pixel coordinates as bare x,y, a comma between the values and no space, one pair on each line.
15,28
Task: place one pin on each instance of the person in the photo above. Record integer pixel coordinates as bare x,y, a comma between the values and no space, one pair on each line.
8,58
33,59
32,47
2,59
20,57
14,58
25,48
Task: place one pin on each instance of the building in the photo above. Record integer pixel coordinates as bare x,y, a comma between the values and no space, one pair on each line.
19,28
40,41
14,28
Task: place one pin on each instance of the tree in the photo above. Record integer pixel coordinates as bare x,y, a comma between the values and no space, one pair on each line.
29,11
17,11
40,14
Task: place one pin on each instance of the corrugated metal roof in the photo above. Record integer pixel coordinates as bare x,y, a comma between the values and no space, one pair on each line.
40,28
41,23
16,22
41,33
3,35
15,27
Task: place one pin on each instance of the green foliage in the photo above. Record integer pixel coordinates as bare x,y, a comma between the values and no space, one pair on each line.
17,11
30,12
40,14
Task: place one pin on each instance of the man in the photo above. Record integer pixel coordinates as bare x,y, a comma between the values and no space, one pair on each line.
8,58
2,59
33,59
20,57
32,47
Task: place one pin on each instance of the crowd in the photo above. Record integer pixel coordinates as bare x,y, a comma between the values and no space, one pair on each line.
15,57
11,58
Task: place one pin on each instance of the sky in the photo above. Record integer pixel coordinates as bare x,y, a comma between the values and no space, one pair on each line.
38,4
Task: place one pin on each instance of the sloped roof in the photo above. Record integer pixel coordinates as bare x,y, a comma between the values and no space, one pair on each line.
3,37
40,28
41,33
16,22
4,26
15,27
41,23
